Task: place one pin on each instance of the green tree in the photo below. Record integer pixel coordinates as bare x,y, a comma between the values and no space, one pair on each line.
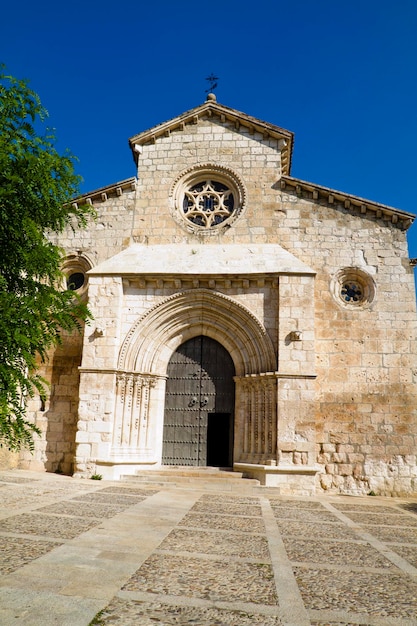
36,187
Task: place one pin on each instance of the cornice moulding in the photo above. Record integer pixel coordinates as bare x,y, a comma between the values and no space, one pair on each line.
332,196
103,193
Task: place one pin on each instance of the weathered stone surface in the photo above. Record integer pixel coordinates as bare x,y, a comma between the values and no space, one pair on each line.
309,290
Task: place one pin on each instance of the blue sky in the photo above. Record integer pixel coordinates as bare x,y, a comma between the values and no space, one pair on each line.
342,75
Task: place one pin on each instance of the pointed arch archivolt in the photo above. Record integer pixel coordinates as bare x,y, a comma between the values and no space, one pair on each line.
154,337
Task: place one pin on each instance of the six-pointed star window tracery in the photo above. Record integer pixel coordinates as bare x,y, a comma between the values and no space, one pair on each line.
352,291
208,203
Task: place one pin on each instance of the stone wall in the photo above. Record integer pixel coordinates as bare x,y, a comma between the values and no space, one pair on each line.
366,426
106,235
346,384
58,416
256,160
8,459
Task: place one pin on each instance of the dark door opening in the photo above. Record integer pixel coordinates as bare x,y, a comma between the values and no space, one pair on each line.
219,440
199,405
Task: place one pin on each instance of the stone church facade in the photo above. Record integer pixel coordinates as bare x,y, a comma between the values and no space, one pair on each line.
242,318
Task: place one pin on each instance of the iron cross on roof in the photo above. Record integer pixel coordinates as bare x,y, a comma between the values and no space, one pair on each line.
213,82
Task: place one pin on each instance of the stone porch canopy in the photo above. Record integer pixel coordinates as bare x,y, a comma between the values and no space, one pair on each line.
202,259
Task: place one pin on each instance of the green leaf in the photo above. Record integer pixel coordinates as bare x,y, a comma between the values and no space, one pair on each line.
37,185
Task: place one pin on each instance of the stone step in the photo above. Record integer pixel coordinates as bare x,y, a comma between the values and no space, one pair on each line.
200,478
185,470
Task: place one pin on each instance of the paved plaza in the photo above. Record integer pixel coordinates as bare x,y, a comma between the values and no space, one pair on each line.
75,552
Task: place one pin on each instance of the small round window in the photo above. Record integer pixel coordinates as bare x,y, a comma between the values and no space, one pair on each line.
75,281
75,270
353,287
207,198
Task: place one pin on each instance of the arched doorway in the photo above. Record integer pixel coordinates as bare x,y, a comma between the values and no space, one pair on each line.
199,405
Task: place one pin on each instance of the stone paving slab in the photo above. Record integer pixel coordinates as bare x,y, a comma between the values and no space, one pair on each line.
12,500
242,545
356,507
78,552
295,504
15,553
334,530
328,623
391,534
32,493
335,553
247,510
223,522
46,525
134,613
382,520
305,515
29,607
84,509
222,499
407,552
387,594
201,578
109,498
128,491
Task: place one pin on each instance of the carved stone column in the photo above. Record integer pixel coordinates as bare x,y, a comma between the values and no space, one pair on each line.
132,436
257,418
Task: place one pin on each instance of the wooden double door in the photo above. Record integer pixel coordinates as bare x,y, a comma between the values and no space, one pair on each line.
199,405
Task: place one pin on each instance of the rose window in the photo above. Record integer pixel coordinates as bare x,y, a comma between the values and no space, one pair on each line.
207,198
353,287
208,203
